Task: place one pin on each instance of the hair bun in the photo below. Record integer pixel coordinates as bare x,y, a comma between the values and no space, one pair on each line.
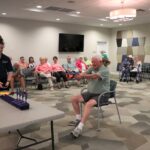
1,40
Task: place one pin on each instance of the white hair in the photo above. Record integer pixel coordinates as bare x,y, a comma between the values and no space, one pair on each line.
97,57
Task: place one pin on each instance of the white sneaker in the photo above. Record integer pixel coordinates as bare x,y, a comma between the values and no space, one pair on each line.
53,78
51,89
76,132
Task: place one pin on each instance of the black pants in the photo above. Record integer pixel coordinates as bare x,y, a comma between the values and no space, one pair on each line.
59,75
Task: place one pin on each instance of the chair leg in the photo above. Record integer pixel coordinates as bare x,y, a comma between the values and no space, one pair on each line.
98,118
81,109
117,109
101,111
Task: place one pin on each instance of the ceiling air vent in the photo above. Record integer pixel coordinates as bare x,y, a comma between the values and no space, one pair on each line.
60,9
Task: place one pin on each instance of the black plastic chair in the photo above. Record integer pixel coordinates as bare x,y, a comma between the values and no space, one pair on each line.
103,100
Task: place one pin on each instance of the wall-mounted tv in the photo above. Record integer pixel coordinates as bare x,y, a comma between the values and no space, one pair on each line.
71,42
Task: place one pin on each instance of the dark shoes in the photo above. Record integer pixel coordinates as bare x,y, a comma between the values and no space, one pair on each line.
66,86
74,123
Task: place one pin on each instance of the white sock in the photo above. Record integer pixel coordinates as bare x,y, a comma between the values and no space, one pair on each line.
81,125
78,117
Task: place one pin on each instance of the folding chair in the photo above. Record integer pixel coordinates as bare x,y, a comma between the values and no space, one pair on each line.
103,100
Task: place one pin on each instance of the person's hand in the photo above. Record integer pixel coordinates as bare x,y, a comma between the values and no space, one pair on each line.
78,77
1,84
95,76
7,84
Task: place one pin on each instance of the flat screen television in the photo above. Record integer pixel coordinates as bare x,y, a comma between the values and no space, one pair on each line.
71,42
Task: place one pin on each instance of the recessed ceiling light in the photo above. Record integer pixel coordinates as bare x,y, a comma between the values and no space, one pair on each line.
35,10
4,13
39,6
73,15
78,12
120,24
58,19
107,17
101,24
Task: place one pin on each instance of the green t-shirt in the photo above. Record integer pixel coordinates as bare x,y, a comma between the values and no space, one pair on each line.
88,62
100,85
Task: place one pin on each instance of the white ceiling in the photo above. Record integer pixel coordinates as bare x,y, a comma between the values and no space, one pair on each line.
91,11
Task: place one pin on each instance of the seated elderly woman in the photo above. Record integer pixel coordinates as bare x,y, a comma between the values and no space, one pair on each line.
59,72
81,65
17,76
32,63
44,70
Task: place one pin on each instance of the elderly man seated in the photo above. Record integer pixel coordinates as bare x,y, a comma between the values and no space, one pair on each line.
98,76
70,68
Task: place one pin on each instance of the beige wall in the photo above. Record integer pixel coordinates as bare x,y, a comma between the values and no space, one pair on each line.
138,31
35,38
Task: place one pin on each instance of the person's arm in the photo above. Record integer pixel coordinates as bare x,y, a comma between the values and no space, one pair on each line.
89,75
9,77
9,73
37,69
62,69
1,84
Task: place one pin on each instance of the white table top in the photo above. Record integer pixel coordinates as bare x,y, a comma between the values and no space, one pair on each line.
12,118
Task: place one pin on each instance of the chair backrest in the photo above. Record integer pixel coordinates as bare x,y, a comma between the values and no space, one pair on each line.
113,85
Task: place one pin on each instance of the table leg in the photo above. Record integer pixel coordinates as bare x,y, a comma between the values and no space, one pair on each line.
52,136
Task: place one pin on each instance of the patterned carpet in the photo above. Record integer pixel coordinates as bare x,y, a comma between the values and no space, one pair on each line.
133,134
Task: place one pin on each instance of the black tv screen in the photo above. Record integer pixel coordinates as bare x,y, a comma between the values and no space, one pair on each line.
71,42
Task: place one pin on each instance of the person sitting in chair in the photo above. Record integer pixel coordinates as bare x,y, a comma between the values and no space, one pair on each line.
17,76
125,70
87,62
32,63
98,76
70,68
59,72
45,70
82,67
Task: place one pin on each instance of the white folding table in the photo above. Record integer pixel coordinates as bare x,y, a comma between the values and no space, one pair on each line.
13,119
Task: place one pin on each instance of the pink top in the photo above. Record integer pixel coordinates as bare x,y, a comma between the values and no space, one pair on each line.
45,68
22,65
79,65
57,67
